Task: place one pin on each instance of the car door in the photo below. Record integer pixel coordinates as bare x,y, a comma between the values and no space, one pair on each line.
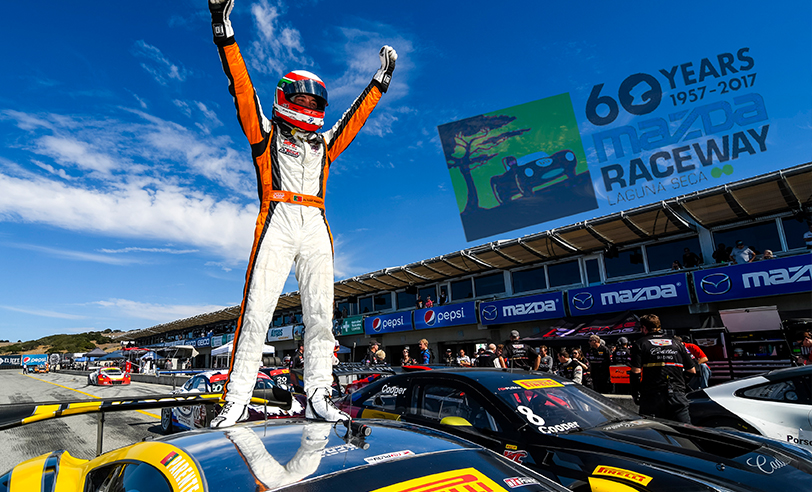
460,409
788,403
189,416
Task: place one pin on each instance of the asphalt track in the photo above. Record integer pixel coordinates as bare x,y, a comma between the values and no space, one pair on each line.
76,433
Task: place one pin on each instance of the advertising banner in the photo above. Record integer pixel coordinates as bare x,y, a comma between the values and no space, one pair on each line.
527,308
218,340
36,359
278,333
635,135
761,278
618,324
647,293
388,323
353,325
442,316
10,361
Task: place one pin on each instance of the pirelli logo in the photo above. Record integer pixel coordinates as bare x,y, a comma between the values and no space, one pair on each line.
464,480
609,471
538,383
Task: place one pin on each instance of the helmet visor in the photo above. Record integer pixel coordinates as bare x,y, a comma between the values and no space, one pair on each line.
309,87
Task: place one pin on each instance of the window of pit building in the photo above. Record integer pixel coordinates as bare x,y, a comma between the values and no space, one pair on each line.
490,284
530,279
405,300
758,236
628,262
366,305
794,231
661,256
461,289
431,291
566,273
383,302
348,307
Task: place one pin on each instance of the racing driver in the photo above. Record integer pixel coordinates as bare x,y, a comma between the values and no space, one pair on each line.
292,162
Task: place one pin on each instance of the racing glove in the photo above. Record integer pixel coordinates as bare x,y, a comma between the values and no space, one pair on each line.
384,74
220,24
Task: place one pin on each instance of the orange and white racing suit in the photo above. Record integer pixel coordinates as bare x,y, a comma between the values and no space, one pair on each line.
292,168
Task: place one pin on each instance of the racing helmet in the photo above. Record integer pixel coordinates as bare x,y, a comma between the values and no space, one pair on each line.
300,82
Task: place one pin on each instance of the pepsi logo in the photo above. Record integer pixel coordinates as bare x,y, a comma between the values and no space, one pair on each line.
376,324
429,317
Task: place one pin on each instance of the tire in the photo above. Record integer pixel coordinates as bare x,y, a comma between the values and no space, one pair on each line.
89,381
166,420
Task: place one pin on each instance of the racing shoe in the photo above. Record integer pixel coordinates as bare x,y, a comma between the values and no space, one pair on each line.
321,407
230,415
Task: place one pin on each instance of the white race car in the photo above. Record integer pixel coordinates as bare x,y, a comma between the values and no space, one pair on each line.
776,404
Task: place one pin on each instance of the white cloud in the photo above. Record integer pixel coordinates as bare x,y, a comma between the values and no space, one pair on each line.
157,65
149,250
279,46
44,313
160,313
72,255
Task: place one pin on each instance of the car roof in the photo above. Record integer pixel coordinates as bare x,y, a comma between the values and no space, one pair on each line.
218,450
491,379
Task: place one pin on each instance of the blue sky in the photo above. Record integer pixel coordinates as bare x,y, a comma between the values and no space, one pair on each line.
127,195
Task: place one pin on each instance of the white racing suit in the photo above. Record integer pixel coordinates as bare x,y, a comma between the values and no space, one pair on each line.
266,469
292,168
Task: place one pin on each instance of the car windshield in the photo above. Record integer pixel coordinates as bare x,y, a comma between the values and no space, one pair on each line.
551,407
112,372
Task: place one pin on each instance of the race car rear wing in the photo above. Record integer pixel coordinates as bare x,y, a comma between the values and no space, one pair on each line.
18,414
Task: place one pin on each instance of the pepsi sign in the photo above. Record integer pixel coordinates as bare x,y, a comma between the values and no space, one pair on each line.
442,316
648,293
36,359
761,278
527,308
388,323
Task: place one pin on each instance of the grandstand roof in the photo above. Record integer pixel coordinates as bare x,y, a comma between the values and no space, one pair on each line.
776,192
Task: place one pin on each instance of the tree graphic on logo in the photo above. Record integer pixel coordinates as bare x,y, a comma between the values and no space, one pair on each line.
473,141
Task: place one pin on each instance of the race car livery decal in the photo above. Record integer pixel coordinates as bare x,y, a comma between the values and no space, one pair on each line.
511,446
467,479
184,473
517,456
377,414
538,383
508,388
765,464
611,471
388,456
343,448
520,481
555,429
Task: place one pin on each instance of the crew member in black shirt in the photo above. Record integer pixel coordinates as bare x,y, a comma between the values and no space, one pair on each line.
569,368
520,355
297,361
600,358
657,380
485,359
622,355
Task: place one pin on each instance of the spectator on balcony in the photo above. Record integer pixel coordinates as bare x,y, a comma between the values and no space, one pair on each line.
808,237
722,254
690,259
429,302
768,255
675,265
741,253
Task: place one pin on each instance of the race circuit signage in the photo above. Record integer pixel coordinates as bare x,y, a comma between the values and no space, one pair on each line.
353,325
388,323
761,278
527,308
35,359
279,333
442,316
648,293
635,135
10,361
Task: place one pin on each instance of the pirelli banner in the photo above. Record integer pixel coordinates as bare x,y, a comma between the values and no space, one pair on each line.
518,309
762,278
647,293
633,134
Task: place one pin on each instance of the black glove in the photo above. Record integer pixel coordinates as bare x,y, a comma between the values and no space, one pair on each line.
220,24
384,74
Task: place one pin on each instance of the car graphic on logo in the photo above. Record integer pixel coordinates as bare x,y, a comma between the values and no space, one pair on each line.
429,317
715,284
376,324
532,173
582,301
489,313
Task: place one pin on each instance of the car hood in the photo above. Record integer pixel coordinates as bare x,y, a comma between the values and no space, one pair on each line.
698,451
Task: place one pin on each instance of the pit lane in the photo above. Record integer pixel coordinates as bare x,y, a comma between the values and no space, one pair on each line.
77,433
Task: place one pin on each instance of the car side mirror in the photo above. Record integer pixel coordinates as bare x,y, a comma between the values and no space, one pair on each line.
455,421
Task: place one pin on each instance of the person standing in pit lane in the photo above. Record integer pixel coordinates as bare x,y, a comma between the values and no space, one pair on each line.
656,377
622,355
425,355
569,368
519,355
600,359
292,164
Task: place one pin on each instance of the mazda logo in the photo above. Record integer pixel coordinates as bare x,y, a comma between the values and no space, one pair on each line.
582,301
715,284
490,313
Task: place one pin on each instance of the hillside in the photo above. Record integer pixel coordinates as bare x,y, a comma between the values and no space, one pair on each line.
81,342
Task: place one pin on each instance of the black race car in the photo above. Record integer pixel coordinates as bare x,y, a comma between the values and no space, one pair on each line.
579,437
